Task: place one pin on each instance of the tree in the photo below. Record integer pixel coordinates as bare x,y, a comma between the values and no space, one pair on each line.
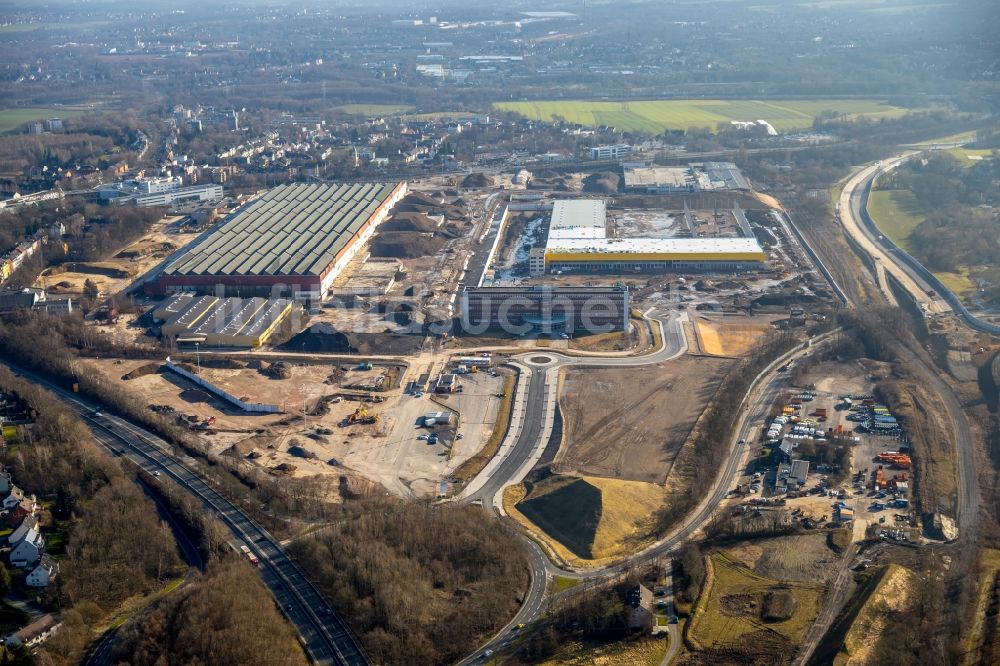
90,289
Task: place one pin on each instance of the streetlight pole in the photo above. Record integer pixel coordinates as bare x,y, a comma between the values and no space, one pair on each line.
197,355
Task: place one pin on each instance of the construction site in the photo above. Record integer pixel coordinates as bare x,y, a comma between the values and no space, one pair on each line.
331,417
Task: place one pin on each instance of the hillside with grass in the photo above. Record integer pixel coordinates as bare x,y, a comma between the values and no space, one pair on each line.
589,519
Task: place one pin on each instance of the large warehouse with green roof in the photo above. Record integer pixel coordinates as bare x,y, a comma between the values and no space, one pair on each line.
294,239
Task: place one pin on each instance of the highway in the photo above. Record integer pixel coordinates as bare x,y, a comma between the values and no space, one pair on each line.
858,224
325,636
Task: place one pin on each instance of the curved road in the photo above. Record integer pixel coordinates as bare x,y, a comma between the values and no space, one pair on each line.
530,441
324,635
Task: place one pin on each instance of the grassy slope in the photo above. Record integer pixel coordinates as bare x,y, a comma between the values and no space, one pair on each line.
639,651
713,627
654,116
591,518
968,157
897,213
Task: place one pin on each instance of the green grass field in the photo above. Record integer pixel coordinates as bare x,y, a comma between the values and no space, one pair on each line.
968,157
720,622
374,109
655,116
11,119
897,213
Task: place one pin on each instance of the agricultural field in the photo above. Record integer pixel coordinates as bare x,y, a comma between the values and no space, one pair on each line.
12,119
374,109
630,423
590,518
655,116
747,612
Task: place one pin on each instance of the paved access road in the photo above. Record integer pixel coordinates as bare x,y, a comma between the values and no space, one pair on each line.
325,636
761,397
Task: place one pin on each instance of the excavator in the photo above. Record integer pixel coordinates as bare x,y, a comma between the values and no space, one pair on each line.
361,416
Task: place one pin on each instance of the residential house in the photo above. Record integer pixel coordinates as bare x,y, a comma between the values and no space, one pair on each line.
35,633
22,510
640,606
28,523
44,572
28,550
13,498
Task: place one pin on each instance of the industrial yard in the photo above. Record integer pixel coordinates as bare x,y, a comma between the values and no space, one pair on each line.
334,417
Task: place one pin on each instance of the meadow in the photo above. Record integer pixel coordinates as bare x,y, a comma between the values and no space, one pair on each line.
655,116
11,119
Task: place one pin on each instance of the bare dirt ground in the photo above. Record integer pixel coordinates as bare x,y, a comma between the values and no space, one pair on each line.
134,259
314,442
630,423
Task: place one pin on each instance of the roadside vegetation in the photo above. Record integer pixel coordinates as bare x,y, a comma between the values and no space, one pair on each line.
419,584
934,207
116,546
224,617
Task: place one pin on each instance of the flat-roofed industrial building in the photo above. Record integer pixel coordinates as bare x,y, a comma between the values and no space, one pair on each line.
221,322
578,242
545,309
294,240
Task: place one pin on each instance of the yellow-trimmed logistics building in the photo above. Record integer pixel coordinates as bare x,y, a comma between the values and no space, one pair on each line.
578,242
656,255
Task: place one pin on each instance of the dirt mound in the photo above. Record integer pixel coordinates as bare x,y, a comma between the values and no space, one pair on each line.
320,338
276,370
779,605
740,604
410,222
245,447
326,338
477,180
406,245
420,198
142,371
604,182
195,395
222,363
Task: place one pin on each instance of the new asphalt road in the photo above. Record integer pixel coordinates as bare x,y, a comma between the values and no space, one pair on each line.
755,411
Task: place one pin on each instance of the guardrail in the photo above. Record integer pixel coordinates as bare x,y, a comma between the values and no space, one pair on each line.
950,298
